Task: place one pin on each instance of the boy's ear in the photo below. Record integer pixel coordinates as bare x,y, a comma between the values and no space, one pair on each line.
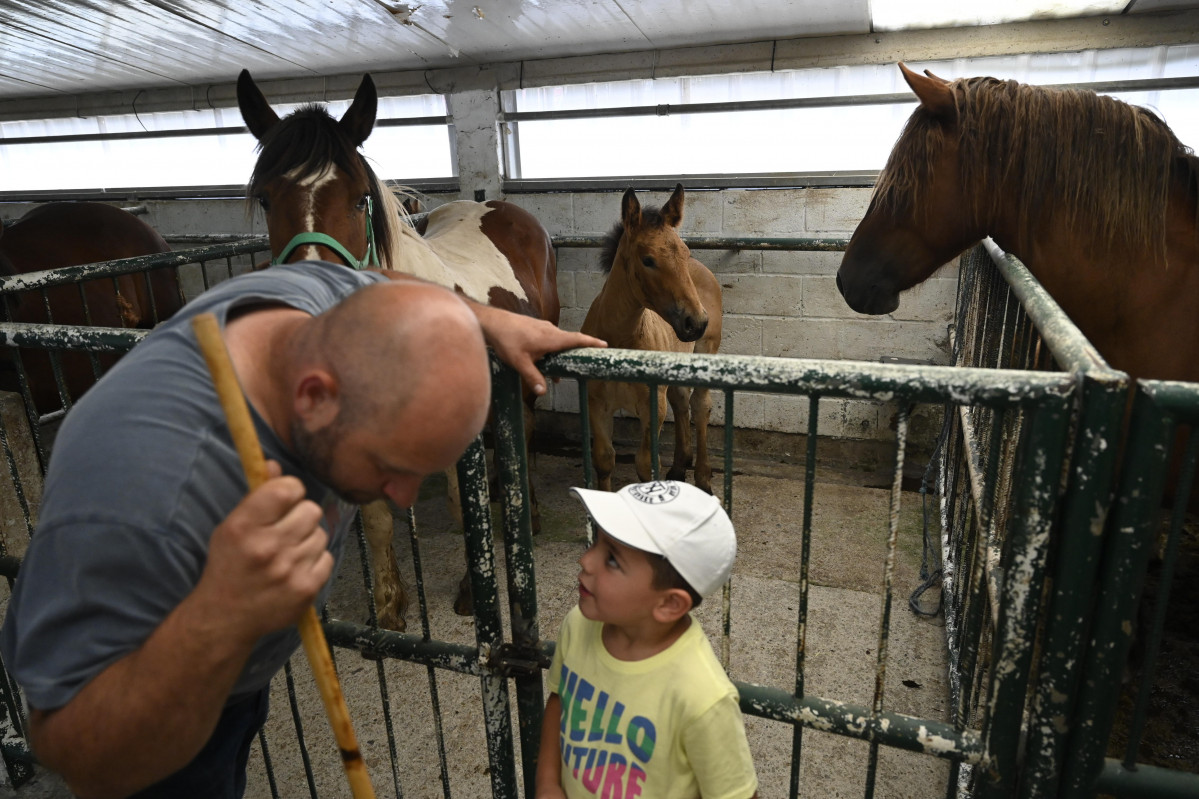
673,605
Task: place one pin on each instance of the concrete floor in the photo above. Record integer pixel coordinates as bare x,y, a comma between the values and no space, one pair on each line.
848,548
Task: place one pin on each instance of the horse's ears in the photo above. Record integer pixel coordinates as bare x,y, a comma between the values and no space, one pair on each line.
630,210
359,119
935,94
672,212
255,110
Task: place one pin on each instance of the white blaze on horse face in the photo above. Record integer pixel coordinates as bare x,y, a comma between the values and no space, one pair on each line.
310,186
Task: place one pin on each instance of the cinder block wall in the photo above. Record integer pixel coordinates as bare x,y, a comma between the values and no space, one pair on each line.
778,304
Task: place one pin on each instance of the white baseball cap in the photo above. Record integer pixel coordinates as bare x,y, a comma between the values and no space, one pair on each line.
678,521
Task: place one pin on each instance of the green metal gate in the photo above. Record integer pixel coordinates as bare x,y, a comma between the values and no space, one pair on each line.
1033,418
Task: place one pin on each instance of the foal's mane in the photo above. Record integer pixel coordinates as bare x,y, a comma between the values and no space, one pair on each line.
1067,156
650,217
307,143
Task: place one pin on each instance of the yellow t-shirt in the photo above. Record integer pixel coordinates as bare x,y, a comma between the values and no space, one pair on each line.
667,727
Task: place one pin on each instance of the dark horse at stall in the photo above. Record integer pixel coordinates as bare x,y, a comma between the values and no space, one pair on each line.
62,234
1098,198
323,201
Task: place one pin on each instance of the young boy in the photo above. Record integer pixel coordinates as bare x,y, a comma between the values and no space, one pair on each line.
642,707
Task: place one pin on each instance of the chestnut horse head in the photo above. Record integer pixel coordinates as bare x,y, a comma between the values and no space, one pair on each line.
318,193
653,264
1098,198
323,202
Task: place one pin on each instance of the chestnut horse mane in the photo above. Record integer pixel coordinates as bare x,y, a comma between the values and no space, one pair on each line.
1076,158
650,217
309,142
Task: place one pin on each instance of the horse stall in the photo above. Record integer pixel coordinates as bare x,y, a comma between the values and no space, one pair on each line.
845,693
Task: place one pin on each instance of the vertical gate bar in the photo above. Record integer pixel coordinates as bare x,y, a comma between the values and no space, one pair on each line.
372,620
978,600
434,696
1128,546
884,630
267,766
150,296
726,607
585,423
299,725
476,519
31,411
1068,617
19,763
17,487
1153,642
654,410
513,472
1029,531
728,450
801,633
93,359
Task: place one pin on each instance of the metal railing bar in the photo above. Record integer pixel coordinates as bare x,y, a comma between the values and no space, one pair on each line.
1145,782
125,266
899,730
779,243
1073,351
846,379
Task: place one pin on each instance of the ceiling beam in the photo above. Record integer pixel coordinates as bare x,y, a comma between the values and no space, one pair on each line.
1044,36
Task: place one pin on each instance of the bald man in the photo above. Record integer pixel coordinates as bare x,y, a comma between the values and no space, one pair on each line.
157,598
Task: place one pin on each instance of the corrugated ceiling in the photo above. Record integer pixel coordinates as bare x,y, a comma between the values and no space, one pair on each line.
52,48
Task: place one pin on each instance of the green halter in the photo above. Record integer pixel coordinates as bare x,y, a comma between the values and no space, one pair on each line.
311,237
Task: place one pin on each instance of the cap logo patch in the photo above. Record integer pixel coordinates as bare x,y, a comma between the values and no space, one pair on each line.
654,493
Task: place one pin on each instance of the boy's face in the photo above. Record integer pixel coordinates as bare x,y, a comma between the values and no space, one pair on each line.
615,582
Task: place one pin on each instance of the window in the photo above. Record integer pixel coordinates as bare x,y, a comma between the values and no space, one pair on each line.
852,129
395,151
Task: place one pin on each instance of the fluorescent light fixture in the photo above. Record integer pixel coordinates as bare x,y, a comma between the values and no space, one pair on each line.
894,15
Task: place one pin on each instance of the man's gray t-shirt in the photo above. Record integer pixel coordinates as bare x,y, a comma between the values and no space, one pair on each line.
142,471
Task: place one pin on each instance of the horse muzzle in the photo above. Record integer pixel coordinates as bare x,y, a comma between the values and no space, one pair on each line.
867,300
689,328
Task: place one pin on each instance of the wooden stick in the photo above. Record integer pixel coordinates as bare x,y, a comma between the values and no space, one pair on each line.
241,426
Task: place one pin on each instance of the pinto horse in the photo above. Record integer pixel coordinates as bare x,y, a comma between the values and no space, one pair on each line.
1098,198
323,201
62,234
656,297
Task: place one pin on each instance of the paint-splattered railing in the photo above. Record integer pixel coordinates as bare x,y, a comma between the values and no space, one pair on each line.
1148,531
1005,320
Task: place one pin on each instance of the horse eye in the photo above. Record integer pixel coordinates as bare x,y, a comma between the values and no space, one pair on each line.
649,262
361,206
264,202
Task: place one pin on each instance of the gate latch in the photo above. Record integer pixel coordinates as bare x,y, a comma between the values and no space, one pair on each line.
512,660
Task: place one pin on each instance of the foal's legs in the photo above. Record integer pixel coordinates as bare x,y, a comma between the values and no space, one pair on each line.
391,598
677,396
599,417
645,454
